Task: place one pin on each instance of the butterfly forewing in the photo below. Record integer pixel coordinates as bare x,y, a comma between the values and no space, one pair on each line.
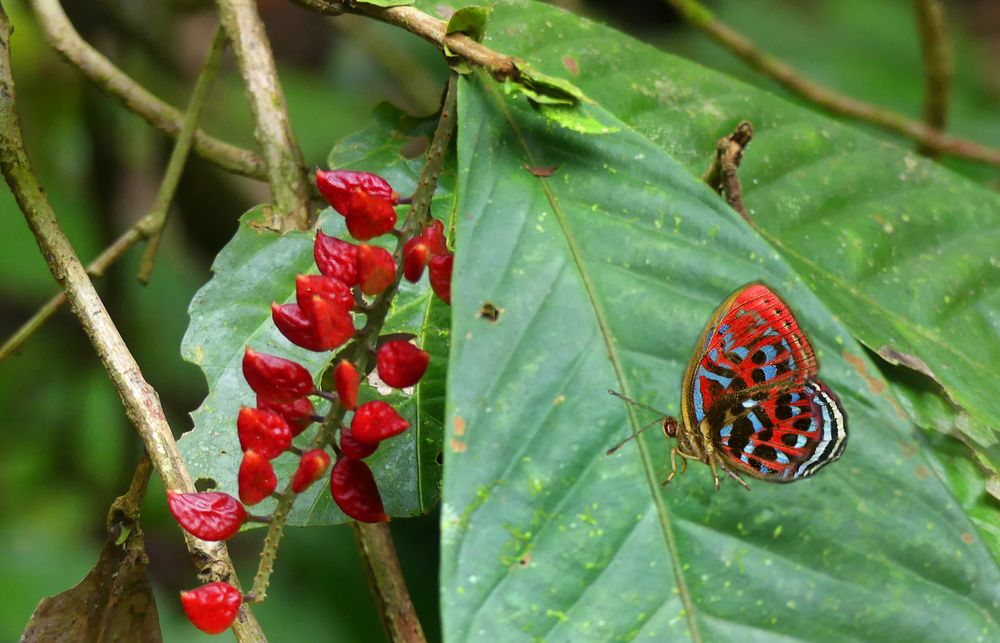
753,377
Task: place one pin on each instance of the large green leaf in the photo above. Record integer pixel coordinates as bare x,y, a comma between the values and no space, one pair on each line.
903,251
233,311
603,275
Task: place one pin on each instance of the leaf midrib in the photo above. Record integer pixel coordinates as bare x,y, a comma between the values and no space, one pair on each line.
605,332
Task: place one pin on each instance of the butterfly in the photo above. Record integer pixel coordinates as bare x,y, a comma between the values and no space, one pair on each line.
751,401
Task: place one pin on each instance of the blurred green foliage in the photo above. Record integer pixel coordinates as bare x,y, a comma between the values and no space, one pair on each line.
70,450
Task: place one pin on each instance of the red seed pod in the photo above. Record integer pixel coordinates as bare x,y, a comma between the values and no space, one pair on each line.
347,381
354,448
401,364
336,258
339,188
377,219
353,488
265,432
376,421
299,413
311,468
210,516
274,377
212,608
376,269
416,253
297,327
439,269
330,289
433,236
332,322
256,478
365,200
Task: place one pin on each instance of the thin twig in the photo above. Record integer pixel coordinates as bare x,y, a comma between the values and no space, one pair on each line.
178,156
700,17
722,173
282,156
141,402
61,35
937,65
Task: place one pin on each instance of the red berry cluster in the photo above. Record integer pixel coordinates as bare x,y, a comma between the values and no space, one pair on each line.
321,319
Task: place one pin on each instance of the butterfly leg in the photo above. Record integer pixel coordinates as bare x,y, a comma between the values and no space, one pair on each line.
674,452
735,476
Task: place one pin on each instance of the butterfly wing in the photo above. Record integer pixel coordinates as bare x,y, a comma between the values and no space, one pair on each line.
783,433
753,377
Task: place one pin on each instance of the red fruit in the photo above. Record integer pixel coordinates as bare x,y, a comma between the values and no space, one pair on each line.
212,608
440,276
210,516
433,236
265,432
347,381
376,269
330,289
401,364
353,488
333,323
311,468
296,326
354,448
336,258
298,413
365,200
256,478
274,377
376,421
415,256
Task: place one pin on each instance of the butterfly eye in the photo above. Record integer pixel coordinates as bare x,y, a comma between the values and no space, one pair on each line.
670,427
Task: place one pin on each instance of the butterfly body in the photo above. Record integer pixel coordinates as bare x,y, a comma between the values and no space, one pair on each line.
751,401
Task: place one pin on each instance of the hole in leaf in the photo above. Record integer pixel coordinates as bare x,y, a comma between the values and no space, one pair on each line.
205,484
489,312
439,458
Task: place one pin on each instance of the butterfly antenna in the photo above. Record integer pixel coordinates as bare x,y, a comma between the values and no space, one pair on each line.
639,404
633,436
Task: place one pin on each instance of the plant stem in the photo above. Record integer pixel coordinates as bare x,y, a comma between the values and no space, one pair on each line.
62,37
937,65
178,156
386,577
930,138
282,156
360,352
722,175
141,402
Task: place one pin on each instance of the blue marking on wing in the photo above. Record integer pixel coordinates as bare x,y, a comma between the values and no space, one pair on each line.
791,358
757,426
714,354
781,457
770,371
740,351
699,402
801,441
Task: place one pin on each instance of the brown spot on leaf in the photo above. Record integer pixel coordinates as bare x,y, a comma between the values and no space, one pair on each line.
875,384
541,171
458,446
525,560
569,62
967,538
459,425
908,449
489,312
921,472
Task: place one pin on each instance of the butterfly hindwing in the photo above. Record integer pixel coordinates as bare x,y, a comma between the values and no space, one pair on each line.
781,434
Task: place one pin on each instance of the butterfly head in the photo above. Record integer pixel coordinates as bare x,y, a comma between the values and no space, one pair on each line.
670,427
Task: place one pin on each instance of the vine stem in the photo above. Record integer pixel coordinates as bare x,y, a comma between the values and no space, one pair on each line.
937,65
157,218
142,404
282,156
930,138
374,540
62,37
